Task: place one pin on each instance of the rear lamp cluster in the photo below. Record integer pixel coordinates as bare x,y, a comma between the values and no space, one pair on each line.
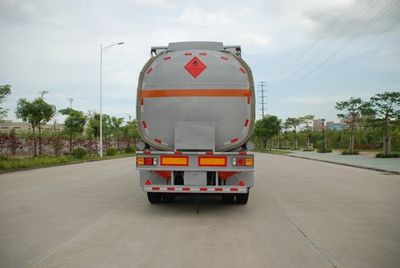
146,161
242,161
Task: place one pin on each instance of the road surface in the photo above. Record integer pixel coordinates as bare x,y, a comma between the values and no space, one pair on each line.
301,213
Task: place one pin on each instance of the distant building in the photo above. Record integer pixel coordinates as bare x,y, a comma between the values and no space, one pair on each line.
335,126
8,125
317,124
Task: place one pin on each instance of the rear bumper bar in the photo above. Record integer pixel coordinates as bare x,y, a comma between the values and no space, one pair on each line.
196,189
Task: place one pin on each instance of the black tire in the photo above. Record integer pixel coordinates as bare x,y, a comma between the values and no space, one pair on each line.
154,198
242,199
168,198
228,198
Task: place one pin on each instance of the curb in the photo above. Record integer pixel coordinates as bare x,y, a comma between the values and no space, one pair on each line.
345,164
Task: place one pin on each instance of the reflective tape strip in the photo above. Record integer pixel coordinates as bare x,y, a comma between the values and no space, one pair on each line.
156,93
195,189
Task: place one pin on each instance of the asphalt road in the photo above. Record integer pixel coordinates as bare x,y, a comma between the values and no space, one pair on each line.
301,213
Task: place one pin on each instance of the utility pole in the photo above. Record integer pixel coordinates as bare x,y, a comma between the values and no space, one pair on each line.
263,93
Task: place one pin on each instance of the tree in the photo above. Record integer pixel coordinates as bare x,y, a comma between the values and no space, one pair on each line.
307,119
131,132
294,123
353,109
266,128
386,108
37,113
116,130
74,124
5,90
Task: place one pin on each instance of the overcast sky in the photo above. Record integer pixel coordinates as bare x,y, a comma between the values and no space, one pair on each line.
310,53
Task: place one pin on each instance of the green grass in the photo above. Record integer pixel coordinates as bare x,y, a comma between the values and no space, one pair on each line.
273,151
47,161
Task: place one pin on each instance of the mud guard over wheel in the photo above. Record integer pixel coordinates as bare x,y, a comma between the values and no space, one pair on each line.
242,199
154,198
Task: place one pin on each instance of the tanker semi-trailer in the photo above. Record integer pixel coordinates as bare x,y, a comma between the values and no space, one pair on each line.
195,111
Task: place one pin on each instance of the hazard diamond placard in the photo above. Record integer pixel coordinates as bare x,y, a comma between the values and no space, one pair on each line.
195,67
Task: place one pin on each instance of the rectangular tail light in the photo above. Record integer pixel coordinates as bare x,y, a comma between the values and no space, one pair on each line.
146,161
174,160
212,161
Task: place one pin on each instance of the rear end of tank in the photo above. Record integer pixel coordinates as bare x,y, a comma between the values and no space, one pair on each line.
195,123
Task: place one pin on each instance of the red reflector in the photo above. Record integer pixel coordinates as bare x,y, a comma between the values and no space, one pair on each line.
241,183
155,188
242,70
242,153
144,124
234,140
147,182
157,140
209,153
218,189
248,100
203,189
146,152
185,189
188,54
246,123
240,161
167,58
234,189
171,188
142,101
203,54
148,161
149,70
224,58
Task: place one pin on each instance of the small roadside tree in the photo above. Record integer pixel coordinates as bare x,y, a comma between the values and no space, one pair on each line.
37,113
294,123
5,90
306,120
352,109
74,124
266,128
386,108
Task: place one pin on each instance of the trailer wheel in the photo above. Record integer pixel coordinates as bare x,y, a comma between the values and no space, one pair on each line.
168,198
154,198
228,198
242,199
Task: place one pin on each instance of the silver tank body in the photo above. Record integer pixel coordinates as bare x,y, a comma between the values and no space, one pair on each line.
196,85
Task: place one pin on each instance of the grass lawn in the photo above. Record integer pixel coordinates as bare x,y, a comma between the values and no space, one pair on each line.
47,161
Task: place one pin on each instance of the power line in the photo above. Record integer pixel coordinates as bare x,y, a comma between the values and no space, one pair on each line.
351,40
357,51
344,30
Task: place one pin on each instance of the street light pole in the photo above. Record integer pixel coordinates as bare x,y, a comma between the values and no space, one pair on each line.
42,93
103,49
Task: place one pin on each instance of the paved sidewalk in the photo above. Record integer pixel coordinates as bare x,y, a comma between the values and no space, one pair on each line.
362,161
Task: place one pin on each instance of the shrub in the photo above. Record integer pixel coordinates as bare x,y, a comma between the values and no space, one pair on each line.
79,153
381,155
350,153
326,150
111,151
130,149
